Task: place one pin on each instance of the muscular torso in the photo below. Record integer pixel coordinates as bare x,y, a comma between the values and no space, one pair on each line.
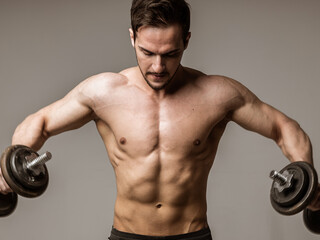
162,150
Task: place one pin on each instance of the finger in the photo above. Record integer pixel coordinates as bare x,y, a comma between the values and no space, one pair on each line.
2,179
4,187
5,184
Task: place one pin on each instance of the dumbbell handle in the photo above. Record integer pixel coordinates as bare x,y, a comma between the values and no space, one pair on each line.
282,180
33,163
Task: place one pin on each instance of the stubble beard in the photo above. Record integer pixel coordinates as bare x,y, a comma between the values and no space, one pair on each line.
164,73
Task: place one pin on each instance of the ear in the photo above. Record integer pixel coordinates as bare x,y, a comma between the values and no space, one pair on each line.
187,41
131,36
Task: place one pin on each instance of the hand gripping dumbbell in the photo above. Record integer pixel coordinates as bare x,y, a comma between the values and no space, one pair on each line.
293,189
26,174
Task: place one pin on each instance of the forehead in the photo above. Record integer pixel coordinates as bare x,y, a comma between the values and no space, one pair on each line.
158,39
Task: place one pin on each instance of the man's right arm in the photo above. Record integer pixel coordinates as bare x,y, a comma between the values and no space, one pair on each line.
70,112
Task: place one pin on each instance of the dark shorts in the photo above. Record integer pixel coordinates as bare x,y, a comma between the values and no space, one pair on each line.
204,234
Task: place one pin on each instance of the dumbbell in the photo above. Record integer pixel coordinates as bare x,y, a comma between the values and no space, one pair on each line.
25,172
293,189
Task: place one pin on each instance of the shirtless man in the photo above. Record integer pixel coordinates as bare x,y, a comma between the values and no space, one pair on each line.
161,124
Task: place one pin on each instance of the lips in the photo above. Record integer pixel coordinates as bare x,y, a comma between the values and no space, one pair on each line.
159,75
158,78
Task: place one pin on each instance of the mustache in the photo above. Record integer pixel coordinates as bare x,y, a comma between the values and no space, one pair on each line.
155,73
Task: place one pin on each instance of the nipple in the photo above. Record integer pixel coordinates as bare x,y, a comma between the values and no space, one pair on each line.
123,140
196,142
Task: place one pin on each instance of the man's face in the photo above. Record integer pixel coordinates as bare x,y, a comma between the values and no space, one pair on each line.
159,52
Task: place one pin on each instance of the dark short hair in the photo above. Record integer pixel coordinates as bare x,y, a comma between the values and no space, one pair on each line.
160,13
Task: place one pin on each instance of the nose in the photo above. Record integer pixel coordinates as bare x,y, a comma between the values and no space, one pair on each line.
158,64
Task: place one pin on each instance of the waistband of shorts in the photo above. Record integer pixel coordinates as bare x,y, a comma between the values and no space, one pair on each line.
198,234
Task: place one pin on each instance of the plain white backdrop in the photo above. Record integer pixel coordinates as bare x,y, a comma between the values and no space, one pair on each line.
48,47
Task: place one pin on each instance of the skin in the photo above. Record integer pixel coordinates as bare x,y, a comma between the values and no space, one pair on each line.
161,124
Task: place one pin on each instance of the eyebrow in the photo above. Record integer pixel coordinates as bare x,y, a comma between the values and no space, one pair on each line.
167,53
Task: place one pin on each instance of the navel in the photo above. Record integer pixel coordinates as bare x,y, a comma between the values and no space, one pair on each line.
123,140
196,142
159,205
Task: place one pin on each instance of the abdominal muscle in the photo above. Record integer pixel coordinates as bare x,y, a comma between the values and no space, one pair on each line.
161,196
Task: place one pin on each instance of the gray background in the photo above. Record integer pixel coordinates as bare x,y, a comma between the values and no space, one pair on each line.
48,47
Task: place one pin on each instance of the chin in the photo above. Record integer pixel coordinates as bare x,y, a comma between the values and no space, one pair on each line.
157,87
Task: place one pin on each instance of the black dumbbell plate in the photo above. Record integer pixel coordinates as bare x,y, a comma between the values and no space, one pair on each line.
298,197
8,203
16,175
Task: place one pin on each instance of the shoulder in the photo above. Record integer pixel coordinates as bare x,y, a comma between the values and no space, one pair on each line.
110,79
106,79
97,87
224,90
102,83
218,84
235,93
201,79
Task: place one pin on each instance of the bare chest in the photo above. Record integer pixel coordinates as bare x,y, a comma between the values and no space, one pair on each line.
140,125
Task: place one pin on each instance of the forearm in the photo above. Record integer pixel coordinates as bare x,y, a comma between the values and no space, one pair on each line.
296,146
31,132
66,114
294,142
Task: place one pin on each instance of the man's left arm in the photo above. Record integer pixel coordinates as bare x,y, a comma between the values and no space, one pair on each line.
257,116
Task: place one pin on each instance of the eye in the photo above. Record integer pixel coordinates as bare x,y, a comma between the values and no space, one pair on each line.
172,55
147,53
